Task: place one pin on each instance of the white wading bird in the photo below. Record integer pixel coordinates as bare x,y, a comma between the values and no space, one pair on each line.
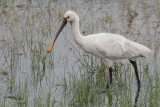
104,45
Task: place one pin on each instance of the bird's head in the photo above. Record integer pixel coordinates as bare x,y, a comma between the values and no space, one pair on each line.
69,16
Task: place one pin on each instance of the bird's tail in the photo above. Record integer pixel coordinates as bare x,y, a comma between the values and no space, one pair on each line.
146,52
143,50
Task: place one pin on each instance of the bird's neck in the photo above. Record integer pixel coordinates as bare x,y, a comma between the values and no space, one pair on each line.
76,32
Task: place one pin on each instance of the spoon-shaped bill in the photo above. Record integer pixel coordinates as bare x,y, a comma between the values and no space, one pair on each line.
50,47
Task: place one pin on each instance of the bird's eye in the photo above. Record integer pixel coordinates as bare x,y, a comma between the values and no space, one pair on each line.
68,17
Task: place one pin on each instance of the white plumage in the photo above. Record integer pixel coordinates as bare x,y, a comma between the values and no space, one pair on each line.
113,46
104,45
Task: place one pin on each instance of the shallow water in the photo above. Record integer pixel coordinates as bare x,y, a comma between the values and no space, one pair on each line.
27,28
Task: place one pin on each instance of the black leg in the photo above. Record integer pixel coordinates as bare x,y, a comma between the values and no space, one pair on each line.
136,71
137,95
110,77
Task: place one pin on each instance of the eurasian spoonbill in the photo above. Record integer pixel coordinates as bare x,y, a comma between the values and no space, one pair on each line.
106,46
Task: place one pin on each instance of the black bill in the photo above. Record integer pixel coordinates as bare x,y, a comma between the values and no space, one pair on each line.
49,49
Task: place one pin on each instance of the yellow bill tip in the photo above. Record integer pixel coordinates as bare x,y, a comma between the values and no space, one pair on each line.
49,49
